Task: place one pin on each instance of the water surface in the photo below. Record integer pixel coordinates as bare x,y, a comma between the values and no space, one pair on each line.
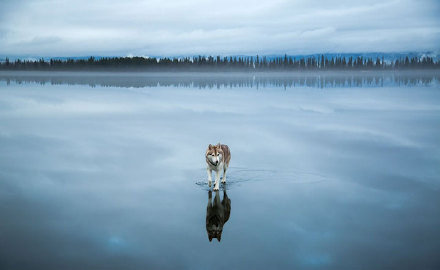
106,174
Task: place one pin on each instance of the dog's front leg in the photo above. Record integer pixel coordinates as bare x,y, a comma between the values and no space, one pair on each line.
217,180
209,176
209,199
217,199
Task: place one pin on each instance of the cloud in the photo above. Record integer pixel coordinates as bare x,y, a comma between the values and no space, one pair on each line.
173,27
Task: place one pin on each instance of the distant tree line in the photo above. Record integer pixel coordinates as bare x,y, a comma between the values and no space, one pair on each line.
245,63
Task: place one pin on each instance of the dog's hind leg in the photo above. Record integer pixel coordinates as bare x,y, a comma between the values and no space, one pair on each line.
224,175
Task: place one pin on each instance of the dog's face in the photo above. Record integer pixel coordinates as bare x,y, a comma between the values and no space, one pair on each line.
214,231
214,154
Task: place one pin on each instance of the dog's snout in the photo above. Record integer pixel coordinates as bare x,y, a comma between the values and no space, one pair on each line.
216,162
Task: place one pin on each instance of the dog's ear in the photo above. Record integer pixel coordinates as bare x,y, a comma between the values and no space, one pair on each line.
218,145
209,146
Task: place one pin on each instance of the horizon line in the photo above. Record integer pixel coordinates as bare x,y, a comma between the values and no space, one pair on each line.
4,56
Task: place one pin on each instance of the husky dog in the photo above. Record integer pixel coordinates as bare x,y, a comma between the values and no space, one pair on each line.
217,214
217,158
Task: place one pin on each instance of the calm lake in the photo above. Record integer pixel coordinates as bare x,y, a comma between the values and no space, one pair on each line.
328,170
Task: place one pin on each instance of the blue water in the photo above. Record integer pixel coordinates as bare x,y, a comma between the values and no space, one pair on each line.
106,174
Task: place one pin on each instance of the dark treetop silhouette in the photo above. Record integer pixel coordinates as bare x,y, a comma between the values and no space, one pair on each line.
210,63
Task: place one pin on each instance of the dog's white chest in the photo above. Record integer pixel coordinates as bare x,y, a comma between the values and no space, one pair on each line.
216,168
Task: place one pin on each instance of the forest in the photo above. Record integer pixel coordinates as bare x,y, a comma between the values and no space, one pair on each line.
217,63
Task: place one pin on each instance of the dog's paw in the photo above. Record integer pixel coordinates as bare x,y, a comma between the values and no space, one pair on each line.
215,188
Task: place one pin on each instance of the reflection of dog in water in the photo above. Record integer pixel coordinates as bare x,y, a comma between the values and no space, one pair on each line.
217,214
217,158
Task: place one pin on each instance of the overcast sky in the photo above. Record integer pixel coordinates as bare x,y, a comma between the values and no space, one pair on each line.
188,27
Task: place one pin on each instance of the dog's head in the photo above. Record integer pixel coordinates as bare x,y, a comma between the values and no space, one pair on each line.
214,154
214,231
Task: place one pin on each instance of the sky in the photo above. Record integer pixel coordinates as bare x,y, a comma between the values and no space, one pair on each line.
51,28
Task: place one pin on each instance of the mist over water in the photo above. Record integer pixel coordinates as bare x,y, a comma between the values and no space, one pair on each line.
320,79
107,170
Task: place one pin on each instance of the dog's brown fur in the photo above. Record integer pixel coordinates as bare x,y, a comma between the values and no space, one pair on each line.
219,148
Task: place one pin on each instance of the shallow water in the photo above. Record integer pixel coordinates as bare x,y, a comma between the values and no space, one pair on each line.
111,177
